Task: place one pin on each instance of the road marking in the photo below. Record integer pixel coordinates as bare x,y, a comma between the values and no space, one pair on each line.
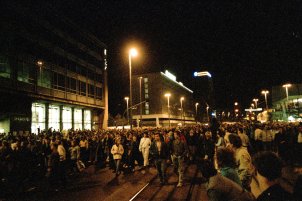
139,192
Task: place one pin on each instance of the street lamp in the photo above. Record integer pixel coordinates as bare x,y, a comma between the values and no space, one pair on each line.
132,53
140,100
208,113
196,106
265,92
286,86
167,95
256,100
127,102
182,110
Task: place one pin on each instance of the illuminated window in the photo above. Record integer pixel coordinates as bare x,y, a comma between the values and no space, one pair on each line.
38,117
54,117
78,119
67,118
87,119
147,108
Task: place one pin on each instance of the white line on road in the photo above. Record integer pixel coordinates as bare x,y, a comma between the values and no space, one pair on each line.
139,192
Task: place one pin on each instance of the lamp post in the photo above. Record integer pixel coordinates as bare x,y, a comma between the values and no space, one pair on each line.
286,86
196,107
265,92
132,53
127,102
140,100
40,64
167,95
256,100
182,110
208,113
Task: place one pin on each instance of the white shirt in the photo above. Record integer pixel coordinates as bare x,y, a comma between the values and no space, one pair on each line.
145,143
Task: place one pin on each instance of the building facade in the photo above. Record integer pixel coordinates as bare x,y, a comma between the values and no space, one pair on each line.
154,110
287,106
52,73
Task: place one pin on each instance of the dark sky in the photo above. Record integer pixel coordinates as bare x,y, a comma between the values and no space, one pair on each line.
246,45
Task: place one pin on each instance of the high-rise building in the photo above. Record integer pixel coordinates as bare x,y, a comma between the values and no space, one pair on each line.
157,89
52,73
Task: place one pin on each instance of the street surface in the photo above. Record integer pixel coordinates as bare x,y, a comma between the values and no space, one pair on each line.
104,185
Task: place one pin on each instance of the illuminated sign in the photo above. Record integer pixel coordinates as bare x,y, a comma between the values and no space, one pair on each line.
172,77
203,73
253,110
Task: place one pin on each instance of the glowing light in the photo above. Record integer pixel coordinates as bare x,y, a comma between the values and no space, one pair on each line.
167,95
40,63
236,103
286,85
126,98
203,73
172,77
133,52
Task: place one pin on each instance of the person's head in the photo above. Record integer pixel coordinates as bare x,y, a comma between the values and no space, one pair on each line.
176,135
207,169
234,141
268,166
225,157
156,137
54,147
240,130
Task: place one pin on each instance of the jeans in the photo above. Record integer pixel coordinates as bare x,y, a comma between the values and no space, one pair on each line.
178,162
117,165
161,167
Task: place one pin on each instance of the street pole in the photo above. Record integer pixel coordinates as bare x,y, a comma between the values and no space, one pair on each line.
127,101
196,105
132,52
140,100
168,99
182,110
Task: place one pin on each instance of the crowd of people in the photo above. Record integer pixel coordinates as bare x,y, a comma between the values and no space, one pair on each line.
223,152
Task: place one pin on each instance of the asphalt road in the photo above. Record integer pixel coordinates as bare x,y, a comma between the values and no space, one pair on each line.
104,185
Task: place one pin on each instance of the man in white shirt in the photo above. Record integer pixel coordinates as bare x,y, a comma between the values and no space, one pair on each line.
144,147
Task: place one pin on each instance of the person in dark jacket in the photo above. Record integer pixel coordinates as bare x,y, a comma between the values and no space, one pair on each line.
264,184
160,154
179,151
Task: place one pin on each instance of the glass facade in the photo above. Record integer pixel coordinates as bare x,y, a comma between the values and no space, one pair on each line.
54,117
78,119
87,119
38,117
40,111
67,118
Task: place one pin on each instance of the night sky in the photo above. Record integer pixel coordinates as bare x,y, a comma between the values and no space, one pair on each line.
246,45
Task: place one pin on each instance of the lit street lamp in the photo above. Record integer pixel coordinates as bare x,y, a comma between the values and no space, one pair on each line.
167,95
208,113
196,106
265,92
182,110
256,100
132,53
286,86
127,102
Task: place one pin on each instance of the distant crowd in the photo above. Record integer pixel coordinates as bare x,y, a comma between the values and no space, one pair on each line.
221,148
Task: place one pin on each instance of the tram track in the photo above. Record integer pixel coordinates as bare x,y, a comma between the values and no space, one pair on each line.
153,191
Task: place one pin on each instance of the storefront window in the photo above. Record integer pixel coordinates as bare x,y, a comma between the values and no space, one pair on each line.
87,119
67,118
78,119
54,117
38,117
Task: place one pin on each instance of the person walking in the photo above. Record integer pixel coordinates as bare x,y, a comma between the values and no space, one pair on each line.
179,151
117,151
144,147
160,154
